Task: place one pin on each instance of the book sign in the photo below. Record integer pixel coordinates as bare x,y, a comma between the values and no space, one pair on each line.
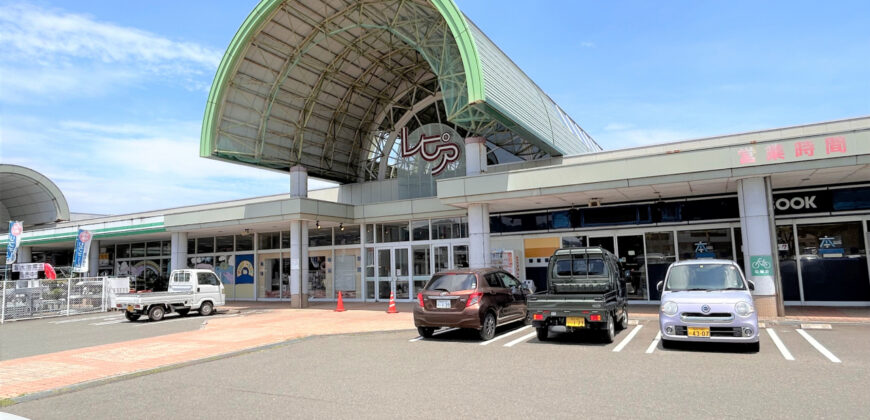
83,247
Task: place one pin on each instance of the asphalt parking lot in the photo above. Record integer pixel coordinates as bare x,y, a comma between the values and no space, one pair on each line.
48,335
513,376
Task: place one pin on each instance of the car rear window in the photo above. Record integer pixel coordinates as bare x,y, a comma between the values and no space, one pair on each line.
580,265
452,282
704,277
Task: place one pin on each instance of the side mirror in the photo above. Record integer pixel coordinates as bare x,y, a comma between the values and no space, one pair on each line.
660,285
751,284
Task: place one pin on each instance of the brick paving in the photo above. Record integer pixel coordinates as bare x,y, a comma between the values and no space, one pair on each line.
275,324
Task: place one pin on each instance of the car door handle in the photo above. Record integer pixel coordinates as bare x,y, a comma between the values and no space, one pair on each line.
197,290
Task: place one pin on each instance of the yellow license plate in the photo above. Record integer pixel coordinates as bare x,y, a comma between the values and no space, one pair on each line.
699,331
129,308
575,321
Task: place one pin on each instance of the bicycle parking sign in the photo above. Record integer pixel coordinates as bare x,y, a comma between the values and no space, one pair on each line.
761,265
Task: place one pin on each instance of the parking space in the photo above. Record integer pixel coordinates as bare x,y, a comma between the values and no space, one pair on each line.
784,343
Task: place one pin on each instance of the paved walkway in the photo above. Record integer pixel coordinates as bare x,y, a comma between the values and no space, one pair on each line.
220,336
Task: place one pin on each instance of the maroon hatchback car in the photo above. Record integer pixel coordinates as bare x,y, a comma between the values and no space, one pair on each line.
482,299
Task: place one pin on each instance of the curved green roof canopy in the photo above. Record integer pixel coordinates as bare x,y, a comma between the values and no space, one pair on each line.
30,197
321,83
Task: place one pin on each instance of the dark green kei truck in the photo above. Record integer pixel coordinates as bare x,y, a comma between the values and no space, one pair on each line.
585,291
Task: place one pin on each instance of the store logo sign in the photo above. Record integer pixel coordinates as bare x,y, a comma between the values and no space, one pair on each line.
806,202
431,149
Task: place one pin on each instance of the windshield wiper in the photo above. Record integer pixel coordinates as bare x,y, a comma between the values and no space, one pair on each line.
733,288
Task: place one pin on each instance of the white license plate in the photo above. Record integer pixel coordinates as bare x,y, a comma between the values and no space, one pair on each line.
442,304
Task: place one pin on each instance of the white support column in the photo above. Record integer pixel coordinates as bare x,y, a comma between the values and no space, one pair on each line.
303,260
759,256
94,259
24,254
298,299
298,181
478,213
178,250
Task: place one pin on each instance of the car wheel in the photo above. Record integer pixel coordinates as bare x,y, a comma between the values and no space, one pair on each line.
206,309
667,344
156,313
426,332
609,330
183,312
623,322
487,329
131,316
543,333
753,347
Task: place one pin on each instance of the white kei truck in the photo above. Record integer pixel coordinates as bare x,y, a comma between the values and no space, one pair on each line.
189,289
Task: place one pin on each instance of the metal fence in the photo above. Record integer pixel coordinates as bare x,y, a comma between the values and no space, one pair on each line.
27,299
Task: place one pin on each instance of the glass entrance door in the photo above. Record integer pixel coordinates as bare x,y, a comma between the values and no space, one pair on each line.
393,273
631,255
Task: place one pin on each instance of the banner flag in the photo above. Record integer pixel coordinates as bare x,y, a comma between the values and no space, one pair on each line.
15,231
83,248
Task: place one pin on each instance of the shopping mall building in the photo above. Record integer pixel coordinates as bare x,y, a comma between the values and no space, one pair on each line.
448,155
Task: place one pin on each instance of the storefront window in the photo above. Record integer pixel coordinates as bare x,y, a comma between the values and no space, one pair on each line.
153,249
659,255
460,256
631,259
269,240
420,261
370,234
285,239
420,230
370,272
349,236
453,228
269,281
123,250
205,245
244,242
137,249
191,246
224,244
711,243
317,274
348,273
320,237
573,241
833,262
393,232
167,248
442,257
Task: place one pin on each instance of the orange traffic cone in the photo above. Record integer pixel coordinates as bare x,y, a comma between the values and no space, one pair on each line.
340,306
392,308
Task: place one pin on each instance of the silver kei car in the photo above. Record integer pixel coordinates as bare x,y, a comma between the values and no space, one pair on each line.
707,300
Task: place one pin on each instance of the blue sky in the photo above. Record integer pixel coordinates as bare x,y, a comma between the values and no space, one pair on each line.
106,98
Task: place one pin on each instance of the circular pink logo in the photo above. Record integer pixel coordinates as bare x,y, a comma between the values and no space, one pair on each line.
16,229
85,236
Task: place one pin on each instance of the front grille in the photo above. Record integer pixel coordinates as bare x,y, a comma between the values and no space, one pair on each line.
712,314
706,318
714,331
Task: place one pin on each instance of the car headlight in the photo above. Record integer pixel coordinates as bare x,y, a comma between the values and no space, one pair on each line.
743,308
669,308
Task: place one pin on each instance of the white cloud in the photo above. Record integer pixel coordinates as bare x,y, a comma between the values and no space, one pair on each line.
587,44
49,52
617,127
127,168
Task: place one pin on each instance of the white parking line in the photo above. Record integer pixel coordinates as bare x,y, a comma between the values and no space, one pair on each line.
505,335
433,334
521,339
779,345
84,319
655,343
628,338
818,346
116,321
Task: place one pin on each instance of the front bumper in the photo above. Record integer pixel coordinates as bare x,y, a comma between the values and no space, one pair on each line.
676,328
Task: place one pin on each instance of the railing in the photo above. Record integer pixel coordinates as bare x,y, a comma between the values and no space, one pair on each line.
28,299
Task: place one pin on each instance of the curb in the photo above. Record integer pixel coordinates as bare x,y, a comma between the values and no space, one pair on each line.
7,402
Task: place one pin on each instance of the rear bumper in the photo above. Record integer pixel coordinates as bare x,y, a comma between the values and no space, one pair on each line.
467,318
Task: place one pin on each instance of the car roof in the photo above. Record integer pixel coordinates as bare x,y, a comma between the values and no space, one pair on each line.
467,270
580,250
704,261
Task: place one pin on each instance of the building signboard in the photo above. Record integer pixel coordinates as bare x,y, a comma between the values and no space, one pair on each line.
761,265
15,231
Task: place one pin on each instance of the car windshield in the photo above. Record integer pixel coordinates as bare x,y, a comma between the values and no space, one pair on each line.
452,282
704,277
580,265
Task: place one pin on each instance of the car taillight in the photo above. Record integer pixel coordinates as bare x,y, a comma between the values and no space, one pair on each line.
473,299
420,299
538,317
595,317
